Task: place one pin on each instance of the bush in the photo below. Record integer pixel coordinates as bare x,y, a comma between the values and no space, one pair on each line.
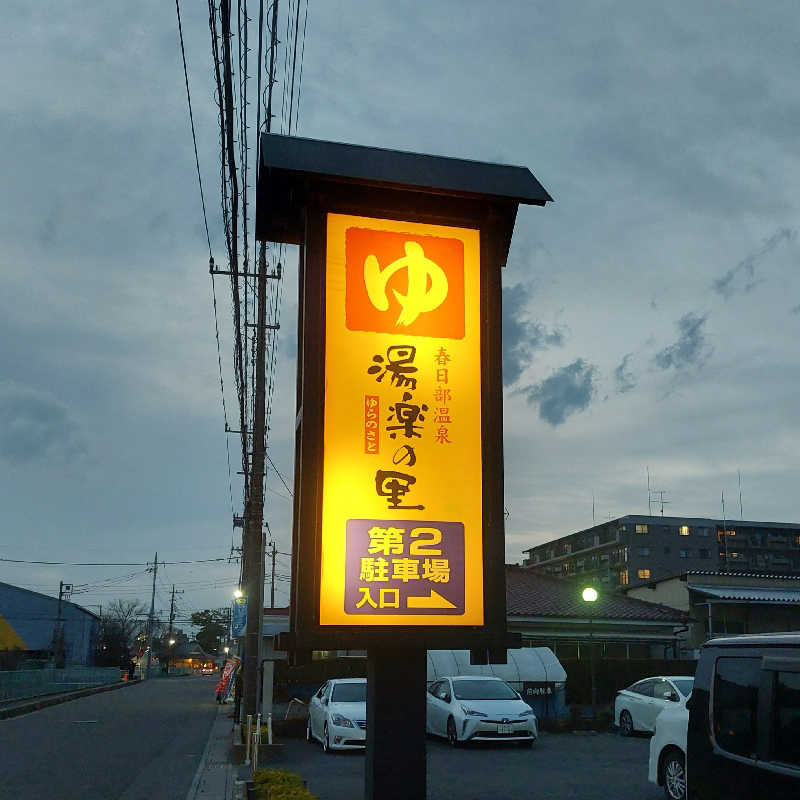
278,784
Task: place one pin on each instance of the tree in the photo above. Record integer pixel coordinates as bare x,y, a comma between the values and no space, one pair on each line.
122,623
213,628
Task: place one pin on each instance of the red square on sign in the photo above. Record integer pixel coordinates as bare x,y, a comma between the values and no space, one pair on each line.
404,283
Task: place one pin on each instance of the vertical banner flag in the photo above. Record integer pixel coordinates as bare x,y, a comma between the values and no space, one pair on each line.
402,473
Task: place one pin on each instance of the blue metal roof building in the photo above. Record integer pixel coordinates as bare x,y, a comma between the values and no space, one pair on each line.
28,622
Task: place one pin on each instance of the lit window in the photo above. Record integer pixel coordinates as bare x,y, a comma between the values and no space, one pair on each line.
643,573
623,577
567,548
644,551
684,530
734,555
685,553
641,529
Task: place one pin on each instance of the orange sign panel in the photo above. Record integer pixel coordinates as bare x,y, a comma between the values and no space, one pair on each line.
402,474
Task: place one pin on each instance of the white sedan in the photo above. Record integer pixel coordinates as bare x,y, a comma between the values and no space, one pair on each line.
337,714
667,765
636,708
478,708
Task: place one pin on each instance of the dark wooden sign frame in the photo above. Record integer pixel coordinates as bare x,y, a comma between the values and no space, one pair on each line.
300,183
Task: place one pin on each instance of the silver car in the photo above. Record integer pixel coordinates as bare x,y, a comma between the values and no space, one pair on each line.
337,714
478,708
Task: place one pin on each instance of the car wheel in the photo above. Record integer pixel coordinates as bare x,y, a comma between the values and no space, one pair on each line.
326,745
674,774
625,724
452,733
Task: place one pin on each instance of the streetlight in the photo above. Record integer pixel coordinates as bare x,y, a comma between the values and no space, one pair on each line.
226,649
171,642
589,596
238,593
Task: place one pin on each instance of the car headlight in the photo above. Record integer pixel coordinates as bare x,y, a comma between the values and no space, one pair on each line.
342,722
471,712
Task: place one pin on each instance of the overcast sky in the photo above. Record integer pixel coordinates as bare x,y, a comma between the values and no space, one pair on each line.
652,312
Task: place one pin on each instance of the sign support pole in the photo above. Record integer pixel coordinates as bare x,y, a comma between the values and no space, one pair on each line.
396,767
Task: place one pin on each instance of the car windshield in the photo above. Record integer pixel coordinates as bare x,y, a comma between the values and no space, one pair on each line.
684,685
483,690
350,693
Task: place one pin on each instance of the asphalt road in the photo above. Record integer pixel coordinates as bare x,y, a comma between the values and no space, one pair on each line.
589,766
139,742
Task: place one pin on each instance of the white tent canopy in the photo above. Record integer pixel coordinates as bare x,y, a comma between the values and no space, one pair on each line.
527,664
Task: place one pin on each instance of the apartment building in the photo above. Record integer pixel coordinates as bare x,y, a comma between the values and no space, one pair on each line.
635,549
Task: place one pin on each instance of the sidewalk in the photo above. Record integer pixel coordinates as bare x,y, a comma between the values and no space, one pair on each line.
216,777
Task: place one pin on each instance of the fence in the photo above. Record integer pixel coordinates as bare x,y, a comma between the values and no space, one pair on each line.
21,683
613,674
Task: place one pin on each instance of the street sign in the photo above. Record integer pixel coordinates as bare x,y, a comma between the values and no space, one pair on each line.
402,474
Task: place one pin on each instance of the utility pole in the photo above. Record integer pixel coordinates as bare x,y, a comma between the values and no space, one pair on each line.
171,620
58,633
253,544
150,618
272,581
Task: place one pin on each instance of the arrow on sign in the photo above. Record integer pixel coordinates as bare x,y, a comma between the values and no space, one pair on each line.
434,601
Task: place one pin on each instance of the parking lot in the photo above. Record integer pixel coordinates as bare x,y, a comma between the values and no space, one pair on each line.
592,766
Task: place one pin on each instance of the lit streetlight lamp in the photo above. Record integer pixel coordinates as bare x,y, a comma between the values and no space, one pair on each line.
589,596
238,593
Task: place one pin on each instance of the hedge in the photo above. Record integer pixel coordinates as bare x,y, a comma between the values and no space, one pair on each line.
278,784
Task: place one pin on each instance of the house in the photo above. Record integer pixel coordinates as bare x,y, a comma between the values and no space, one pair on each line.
722,603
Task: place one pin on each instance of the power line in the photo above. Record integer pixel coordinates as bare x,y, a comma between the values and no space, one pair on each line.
272,464
191,120
109,563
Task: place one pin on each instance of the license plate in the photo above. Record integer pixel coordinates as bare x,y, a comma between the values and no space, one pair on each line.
504,729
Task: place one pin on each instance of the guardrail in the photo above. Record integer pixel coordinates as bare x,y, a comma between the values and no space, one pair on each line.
23,683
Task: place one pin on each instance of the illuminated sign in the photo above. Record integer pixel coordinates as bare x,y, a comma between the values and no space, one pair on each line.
402,482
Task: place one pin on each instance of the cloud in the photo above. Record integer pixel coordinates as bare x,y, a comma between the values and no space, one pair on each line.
567,391
691,348
34,425
522,337
745,271
625,380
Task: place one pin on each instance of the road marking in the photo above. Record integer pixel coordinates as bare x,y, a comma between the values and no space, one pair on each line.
85,721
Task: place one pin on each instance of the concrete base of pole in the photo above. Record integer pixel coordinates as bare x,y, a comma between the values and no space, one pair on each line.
395,760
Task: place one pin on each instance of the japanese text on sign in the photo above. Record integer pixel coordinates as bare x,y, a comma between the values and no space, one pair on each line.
402,428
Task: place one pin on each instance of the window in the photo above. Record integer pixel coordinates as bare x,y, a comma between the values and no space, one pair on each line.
641,529
733,554
786,718
797,539
736,682
721,533
567,548
623,577
704,552
643,573
643,687
683,530
644,551
667,549
703,531
660,689
686,553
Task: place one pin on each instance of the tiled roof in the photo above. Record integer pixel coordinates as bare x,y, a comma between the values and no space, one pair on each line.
763,575
531,595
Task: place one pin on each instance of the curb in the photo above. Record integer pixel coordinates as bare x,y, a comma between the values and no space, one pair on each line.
45,702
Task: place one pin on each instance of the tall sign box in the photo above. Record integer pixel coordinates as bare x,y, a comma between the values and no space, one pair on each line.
398,538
